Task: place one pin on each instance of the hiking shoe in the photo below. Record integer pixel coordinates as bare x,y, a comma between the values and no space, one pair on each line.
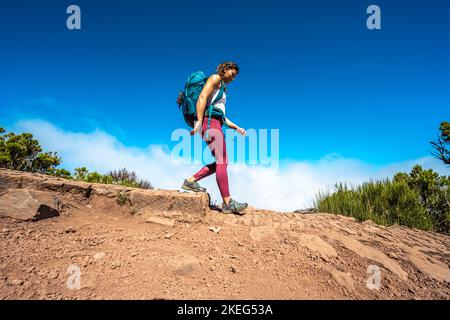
192,186
234,207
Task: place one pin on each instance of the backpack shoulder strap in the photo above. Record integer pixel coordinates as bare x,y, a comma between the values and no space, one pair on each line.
220,94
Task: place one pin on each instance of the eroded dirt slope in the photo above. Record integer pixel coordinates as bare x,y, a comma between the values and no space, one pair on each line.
156,246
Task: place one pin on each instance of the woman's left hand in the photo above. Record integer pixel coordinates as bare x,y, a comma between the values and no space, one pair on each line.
241,131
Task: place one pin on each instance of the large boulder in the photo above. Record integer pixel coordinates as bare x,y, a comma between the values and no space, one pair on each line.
179,205
171,204
23,204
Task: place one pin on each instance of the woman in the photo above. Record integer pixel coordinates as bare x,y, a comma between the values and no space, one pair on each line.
226,72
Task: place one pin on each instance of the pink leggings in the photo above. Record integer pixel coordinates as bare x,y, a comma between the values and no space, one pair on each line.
219,151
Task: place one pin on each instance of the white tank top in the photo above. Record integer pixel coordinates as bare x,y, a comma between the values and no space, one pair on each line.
220,104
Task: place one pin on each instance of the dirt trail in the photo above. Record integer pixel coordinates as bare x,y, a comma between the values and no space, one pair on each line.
145,250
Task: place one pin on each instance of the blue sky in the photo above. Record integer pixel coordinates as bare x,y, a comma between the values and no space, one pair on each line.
308,68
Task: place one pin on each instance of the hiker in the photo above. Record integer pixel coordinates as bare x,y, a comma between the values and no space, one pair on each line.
210,116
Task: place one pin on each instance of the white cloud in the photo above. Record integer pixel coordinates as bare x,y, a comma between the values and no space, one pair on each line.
287,188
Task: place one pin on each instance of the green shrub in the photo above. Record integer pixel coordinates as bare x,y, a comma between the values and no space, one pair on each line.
419,199
128,178
121,177
62,173
442,145
122,198
23,152
434,195
81,173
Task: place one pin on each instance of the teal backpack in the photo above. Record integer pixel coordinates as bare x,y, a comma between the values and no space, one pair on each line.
187,99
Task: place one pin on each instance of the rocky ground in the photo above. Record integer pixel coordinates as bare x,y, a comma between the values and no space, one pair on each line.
123,243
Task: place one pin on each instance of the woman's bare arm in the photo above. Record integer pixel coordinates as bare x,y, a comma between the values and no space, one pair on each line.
211,84
235,126
230,124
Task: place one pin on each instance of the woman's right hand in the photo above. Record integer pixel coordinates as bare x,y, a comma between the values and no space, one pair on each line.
241,131
197,127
